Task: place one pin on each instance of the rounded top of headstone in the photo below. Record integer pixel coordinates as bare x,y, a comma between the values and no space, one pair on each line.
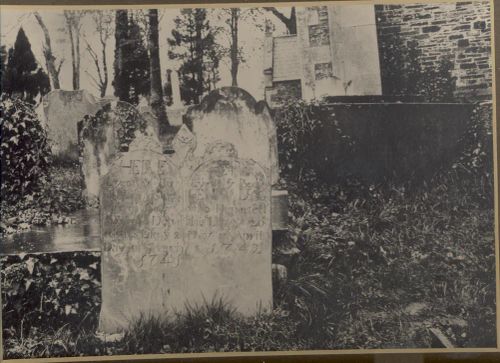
227,96
231,114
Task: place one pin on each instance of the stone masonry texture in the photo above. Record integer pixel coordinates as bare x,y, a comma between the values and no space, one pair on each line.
460,32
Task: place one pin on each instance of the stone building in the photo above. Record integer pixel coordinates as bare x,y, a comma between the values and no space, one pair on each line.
339,49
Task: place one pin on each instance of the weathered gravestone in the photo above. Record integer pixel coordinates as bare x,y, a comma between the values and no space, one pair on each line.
182,230
62,110
231,114
101,136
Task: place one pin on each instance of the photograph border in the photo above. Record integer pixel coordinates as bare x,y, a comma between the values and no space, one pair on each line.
43,5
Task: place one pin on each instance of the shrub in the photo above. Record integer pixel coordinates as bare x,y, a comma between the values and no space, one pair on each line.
300,125
124,118
403,73
43,291
477,142
25,150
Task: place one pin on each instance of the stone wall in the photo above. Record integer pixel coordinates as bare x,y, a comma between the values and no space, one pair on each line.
388,140
460,32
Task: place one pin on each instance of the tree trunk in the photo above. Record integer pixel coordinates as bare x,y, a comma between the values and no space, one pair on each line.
104,84
156,100
49,56
76,81
290,23
199,53
73,64
121,25
75,48
234,46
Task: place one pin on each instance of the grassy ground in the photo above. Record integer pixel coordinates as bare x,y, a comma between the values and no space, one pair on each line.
378,266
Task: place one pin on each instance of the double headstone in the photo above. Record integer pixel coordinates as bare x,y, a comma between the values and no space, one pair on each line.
187,228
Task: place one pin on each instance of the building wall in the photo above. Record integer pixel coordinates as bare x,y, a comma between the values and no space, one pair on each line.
334,53
287,64
339,49
460,32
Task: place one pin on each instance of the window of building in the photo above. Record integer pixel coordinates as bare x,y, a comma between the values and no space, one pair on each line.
319,31
323,70
286,90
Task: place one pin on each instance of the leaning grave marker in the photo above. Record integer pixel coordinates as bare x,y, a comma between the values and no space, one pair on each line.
179,232
61,112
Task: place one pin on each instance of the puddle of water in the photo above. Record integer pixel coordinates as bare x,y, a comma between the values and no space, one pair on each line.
83,235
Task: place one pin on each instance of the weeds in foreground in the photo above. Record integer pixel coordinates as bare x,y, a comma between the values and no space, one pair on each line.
378,266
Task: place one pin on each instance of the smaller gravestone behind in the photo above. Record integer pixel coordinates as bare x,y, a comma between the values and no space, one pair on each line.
62,111
102,136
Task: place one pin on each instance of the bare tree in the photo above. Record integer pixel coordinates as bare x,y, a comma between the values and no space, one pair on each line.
156,100
290,22
233,18
50,59
74,25
103,21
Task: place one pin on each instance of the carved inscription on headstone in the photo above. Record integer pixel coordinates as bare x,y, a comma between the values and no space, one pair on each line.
228,232
184,235
140,237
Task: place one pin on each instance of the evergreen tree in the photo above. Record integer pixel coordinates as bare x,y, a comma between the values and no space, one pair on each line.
22,76
131,59
192,42
120,83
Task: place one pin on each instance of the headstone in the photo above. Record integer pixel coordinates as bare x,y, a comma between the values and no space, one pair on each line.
102,136
138,219
63,110
183,229
227,225
232,115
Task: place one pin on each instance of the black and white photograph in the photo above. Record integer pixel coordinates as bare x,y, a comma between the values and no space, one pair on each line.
264,178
